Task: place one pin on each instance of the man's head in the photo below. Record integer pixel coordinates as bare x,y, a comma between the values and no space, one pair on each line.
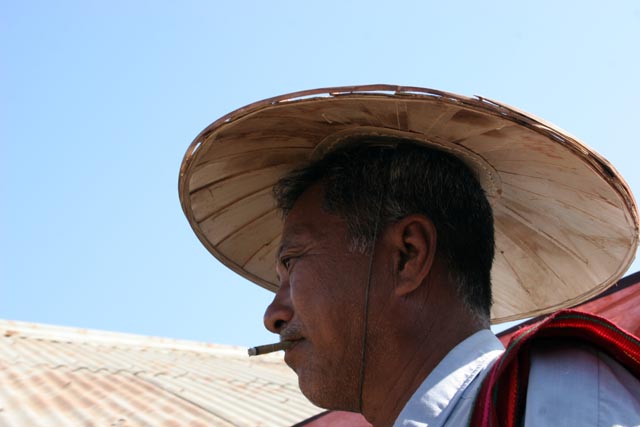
406,178
428,209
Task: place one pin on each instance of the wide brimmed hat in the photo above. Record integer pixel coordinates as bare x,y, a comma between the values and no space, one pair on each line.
566,222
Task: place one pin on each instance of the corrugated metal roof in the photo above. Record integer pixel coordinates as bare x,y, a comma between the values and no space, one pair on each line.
56,376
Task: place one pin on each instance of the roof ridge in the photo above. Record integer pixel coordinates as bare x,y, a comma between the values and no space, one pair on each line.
26,330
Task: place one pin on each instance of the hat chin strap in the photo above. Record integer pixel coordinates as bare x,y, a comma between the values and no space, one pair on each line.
365,317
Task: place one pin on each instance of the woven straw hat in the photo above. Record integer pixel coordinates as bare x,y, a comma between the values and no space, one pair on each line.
566,222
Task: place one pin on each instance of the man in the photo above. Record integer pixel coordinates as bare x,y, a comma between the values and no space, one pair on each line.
384,260
430,248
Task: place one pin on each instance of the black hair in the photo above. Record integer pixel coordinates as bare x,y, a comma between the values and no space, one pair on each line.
406,178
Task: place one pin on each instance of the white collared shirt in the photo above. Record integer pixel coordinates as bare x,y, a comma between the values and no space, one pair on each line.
446,396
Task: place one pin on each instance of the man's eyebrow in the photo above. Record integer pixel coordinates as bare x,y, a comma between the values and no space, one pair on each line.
284,245
286,242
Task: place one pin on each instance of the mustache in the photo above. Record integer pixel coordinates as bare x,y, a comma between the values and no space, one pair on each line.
291,332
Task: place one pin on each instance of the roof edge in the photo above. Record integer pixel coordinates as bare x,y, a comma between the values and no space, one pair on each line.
20,329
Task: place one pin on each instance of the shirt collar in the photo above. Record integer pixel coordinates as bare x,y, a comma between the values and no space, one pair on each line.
433,401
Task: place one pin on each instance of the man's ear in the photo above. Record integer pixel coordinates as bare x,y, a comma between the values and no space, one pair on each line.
413,241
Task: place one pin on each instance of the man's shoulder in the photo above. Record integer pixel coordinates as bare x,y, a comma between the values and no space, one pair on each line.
575,383
558,368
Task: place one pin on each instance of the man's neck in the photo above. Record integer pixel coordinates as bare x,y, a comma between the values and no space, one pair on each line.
395,374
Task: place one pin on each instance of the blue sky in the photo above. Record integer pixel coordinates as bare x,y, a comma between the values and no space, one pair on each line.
99,101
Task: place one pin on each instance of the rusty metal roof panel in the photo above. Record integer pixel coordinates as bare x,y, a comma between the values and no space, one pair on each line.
56,376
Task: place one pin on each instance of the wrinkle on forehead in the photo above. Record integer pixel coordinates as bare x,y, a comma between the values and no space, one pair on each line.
297,234
308,221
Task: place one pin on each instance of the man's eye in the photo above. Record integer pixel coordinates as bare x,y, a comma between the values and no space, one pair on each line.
286,262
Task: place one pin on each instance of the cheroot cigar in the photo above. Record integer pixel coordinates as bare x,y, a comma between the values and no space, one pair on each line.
269,348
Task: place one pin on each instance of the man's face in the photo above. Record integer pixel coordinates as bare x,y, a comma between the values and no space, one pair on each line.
320,303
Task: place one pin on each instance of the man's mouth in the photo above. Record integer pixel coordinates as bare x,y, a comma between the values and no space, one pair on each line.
293,341
291,334
291,349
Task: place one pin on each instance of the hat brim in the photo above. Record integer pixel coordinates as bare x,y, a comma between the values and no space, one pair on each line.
566,222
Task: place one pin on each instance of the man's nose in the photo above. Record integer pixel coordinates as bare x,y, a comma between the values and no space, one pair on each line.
279,312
